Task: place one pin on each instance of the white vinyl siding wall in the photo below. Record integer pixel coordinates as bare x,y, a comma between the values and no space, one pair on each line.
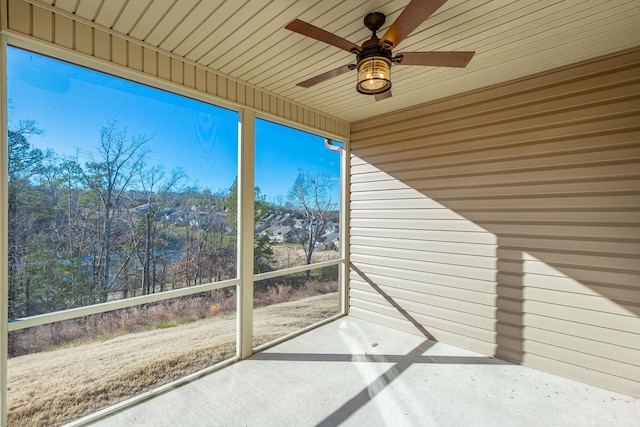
507,221
88,38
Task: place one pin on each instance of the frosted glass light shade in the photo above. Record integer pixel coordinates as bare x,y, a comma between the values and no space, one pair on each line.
374,75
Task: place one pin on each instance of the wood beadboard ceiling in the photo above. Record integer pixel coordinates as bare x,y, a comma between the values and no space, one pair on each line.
246,39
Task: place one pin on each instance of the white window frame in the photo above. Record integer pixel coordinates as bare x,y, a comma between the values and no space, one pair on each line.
245,277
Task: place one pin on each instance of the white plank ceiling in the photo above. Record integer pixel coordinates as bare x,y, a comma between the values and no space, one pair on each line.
246,39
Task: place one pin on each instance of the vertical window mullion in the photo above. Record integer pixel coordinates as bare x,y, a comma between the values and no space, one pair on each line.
245,232
4,267
344,228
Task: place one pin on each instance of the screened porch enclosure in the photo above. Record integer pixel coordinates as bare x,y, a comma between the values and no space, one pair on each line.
475,259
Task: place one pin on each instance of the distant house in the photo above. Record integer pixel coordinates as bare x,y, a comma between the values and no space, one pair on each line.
142,209
279,234
332,241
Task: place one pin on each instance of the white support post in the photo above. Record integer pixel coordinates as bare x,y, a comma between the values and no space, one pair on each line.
245,232
343,274
344,226
4,233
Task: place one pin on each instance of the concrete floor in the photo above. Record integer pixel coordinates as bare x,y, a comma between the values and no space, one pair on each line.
356,373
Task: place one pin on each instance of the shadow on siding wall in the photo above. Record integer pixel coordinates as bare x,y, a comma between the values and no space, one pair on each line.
507,220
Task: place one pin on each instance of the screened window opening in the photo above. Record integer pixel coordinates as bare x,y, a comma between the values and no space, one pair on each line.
116,189
297,230
119,226
123,236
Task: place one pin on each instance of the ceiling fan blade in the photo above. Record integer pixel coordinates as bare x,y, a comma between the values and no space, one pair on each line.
434,59
413,15
383,95
314,32
326,76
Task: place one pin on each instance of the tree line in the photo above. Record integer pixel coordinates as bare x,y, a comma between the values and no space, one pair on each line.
113,226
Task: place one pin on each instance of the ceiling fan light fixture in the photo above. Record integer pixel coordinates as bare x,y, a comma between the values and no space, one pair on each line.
374,75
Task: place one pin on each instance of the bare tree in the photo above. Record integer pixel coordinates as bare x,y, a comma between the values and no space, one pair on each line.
24,163
310,196
155,188
109,174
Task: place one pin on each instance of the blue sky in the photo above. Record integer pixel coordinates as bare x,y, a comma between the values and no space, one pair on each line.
71,104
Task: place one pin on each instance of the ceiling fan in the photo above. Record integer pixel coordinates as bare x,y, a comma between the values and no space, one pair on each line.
374,58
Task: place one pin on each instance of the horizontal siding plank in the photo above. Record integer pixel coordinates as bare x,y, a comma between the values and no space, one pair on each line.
607,133
425,288
428,303
417,224
479,346
612,216
443,308
495,107
425,255
572,258
596,179
513,181
501,165
629,294
472,284
583,345
433,246
588,317
422,203
591,275
579,121
565,124
604,215
587,361
427,267
388,213
443,236
504,97
432,324
589,376
595,332
584,230
387,198
581,301
542,201
553,244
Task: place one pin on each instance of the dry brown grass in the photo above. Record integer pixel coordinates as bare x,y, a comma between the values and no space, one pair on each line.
292,255
55,387
111,324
